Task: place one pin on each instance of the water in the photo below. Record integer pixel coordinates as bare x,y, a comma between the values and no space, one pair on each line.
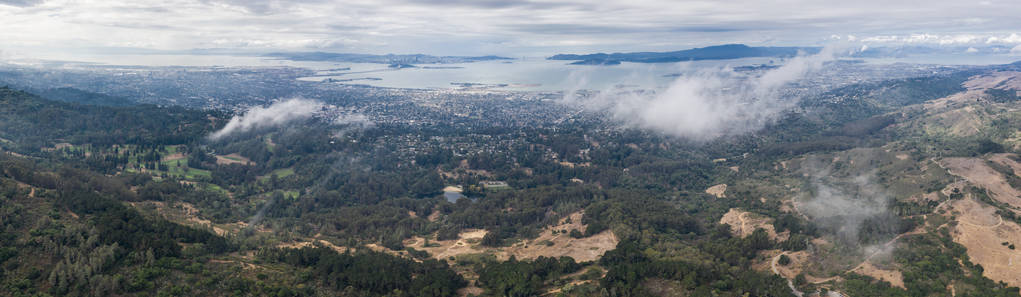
530,74
452,196
525,74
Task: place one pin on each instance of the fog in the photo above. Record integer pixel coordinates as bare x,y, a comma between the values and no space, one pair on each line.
851,206
277,114
706,103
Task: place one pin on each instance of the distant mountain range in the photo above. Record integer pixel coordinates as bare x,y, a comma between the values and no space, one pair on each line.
381,59
719,52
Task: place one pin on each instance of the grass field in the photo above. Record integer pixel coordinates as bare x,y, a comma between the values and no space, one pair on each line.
281,173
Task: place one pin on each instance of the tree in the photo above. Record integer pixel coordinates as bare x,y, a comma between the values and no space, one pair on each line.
784,260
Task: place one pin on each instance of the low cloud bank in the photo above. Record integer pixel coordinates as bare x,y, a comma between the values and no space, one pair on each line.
277,114
708,103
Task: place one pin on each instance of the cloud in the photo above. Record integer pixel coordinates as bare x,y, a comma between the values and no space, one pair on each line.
277,114
708,103
21,3
945,39
844,203
465,27
842,206
1012,38
353,119
583,29
934,39
350,122
490,4
1015,51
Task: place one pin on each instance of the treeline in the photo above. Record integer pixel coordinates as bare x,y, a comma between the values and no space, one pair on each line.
523,278
75,237
370,273
930,263
33,122
629,268
87,193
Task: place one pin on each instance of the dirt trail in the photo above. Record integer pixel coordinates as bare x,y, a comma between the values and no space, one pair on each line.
790,281
887,245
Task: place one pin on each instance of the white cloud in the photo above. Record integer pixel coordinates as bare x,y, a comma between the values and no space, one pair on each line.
932,39
486,27
1015,51
709,103
971,50
277,114
1012,38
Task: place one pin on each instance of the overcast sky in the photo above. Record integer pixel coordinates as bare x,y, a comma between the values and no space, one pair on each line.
476,27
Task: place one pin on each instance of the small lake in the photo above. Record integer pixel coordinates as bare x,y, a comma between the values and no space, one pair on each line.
452,196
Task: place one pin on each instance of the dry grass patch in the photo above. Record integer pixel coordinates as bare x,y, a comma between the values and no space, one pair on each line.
895,277
977,172
173,157
983,233
232,159
1008,80
186,214
743,223
718,190
547,244
307,243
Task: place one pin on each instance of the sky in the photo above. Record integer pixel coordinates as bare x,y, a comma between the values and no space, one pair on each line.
513,28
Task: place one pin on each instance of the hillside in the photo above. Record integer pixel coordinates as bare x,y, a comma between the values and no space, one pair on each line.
718,52
905,187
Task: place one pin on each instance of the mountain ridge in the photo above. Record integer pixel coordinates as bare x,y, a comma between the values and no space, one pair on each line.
716,52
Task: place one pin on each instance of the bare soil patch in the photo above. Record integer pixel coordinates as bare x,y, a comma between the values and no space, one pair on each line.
232,159
186,213
792,269
466,243
743,223
547,244
306,243
580,249
718,190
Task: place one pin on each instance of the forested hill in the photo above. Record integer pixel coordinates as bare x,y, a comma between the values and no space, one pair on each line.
68,94
136,201
32,122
